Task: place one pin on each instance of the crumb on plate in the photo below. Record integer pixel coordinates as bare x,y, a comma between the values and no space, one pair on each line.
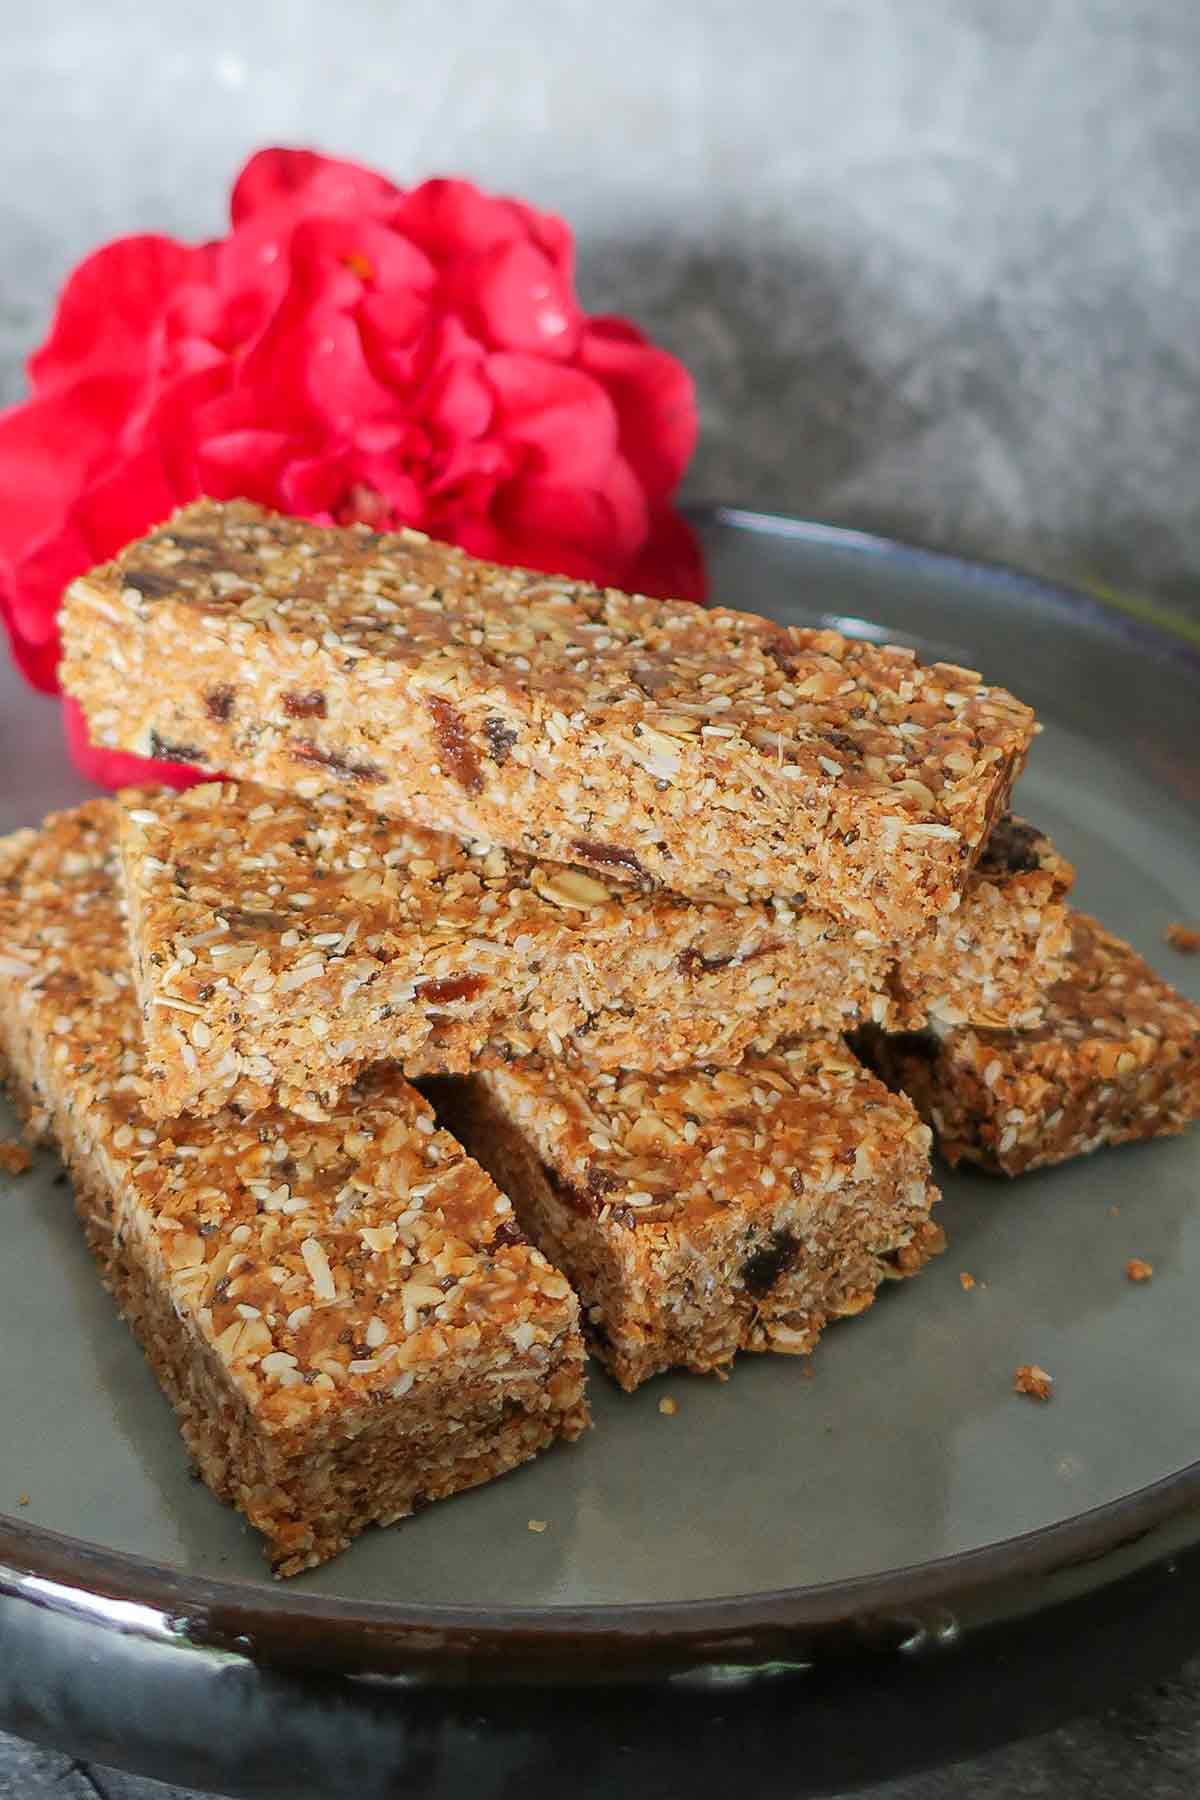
1138,1269
668,1405
966,1281
1184,938
15,1157
1033,1382
538,1524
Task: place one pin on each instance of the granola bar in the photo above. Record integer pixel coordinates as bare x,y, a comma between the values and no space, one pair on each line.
992,961
282,944
705,1212
344,1315
649,739
1116,1057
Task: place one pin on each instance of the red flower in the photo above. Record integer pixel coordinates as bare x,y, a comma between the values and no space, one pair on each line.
351,350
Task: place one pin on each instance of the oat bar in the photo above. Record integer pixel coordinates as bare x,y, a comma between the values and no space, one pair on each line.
344,1315
993,961
281,944
706,1212
648,739
1117,1057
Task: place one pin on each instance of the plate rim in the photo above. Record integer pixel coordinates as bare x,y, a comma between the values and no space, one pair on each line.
1156,630
132,1593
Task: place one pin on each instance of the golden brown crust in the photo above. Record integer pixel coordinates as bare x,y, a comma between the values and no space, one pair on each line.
1116,1058
694,748
296,1283
709,1211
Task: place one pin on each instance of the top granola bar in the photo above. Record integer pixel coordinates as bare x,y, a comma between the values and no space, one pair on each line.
700,750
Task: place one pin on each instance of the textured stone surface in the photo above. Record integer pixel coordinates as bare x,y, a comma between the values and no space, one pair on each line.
934,263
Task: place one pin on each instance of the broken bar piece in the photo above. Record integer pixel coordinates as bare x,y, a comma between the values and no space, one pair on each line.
1116,1058
705,1212
344,1315
991,962
651,740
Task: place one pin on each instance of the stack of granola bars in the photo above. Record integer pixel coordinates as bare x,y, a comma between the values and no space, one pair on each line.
616,879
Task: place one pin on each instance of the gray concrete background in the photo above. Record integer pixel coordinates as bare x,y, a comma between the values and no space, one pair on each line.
934,263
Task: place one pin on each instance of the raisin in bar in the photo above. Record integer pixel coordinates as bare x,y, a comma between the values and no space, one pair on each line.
993,961
706,1212
1116,1057
690,748
282,944
345,1316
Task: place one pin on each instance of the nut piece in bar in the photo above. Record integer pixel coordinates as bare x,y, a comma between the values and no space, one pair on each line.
1116,1058
655,740
706,1212
344,1315
281,944
991,962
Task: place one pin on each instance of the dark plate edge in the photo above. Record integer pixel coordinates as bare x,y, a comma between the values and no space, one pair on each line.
1152,631
128,1594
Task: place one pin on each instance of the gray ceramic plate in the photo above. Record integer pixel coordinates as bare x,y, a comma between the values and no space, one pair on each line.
907,1452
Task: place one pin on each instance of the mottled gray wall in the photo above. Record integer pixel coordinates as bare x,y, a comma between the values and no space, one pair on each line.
936,263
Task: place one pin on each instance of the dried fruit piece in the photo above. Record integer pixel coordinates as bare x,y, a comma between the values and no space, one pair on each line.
455,749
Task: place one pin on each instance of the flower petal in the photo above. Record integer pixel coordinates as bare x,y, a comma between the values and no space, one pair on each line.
171,422
129,500
562,417
108,308
315,486
655,399
48,448
608,523
245,465
551,234
310,360
34,593
305,181
396,338
517,300
459,400
362,253
670,564
452,219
